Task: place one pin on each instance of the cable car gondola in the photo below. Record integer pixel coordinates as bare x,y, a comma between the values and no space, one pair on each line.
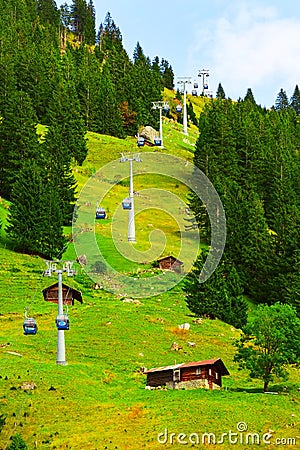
166,108
157,141
179,108
30,326
205,86
140,141
194,92
100,213
195,85
62,322
126,203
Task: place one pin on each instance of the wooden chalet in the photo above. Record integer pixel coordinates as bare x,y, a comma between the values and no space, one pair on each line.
170,263
69,294
200,374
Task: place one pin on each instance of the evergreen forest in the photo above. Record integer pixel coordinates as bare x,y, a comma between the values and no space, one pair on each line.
59,71
71,101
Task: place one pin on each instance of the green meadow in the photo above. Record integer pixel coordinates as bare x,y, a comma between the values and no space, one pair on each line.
98,400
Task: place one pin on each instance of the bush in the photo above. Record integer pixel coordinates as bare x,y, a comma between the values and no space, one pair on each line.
17,443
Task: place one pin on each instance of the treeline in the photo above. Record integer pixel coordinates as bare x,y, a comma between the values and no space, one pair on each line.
251,155
57,71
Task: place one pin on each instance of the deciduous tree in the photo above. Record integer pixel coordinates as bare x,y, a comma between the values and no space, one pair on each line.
270,341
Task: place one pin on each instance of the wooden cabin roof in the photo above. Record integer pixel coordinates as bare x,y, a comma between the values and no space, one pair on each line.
218,363
54,287
208,362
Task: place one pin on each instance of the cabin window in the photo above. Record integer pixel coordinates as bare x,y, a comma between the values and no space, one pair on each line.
217,375
209,371
198,370
176,375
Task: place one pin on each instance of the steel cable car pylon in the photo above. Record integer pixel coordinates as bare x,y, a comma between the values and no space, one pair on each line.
62,321
128,203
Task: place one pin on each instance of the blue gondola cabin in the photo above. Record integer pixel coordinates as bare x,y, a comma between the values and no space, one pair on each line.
62,322
141,141
100,213
126,203
157,141
30,326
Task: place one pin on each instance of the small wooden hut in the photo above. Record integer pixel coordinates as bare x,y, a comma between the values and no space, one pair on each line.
69,294
200,374
170,263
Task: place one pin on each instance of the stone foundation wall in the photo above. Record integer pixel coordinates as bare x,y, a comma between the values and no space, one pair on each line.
193,384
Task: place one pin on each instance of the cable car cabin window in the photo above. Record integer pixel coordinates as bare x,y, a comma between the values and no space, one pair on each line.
126,203
30,326
100,213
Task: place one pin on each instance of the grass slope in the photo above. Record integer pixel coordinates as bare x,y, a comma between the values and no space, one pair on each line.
98,400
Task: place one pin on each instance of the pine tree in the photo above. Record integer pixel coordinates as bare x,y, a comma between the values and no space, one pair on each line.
282,102
295,100
90,31
18,139
147,87
220,92
108,116
65,114
35,219
79,13
167,74
58,163
48,12
219,297
249,96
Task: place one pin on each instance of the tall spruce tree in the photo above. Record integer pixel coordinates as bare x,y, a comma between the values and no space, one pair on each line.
220,92
282,101
65,113
18,139
295,100
219,297
35,219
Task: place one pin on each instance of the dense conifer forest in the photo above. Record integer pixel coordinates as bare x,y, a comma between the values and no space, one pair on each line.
56,70
59,71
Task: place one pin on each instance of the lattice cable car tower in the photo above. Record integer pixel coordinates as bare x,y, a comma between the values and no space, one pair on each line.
204,73
62,321
184,81
160,105
128,203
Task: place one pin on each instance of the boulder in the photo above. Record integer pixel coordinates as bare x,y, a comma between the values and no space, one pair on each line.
184,326
148,133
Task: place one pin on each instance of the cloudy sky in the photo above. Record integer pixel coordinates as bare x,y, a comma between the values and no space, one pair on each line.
243,43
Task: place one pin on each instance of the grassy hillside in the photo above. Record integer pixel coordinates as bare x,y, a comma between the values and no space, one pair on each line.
98,400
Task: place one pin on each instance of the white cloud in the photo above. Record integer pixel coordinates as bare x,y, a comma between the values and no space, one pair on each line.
255,48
